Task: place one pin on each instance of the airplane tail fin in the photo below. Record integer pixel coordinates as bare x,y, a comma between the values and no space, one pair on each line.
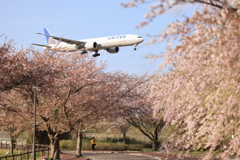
50,40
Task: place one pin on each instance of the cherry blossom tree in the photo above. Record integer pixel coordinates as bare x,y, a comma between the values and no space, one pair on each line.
58,79
143,121
18,69
13,119
69,100
108,101
199,94
159,7
134,107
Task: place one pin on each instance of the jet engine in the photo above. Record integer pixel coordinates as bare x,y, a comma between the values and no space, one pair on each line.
91,45
113,49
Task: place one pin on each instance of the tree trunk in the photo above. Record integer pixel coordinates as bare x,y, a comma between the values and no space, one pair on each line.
12,144
55,148
155,144
13,139
124,129
79,143
125,137
157,129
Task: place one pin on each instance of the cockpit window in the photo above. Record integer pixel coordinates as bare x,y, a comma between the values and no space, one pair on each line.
139,37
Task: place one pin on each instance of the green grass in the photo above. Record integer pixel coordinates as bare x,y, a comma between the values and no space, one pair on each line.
147,150
102,145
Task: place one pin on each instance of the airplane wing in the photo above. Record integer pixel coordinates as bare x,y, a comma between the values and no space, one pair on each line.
69,41
41,45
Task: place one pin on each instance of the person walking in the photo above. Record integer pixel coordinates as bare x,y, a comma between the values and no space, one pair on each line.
93,143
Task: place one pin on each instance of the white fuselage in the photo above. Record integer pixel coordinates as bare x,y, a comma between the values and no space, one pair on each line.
102,43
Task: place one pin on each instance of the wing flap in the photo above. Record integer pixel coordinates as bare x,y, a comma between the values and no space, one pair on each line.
41,45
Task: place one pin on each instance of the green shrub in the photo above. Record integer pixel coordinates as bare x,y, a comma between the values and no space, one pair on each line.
68,144
87,146
104,145
147,144
128,140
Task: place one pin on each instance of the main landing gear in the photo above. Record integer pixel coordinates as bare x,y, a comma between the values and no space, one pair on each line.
84,52
96,54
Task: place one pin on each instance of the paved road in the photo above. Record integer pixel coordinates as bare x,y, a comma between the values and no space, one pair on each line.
117,156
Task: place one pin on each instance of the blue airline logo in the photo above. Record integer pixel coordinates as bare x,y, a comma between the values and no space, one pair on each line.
117,37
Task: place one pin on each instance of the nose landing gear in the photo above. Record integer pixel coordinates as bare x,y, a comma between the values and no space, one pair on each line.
135,47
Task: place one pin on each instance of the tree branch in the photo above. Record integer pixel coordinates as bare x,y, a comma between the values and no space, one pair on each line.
209,3
144,131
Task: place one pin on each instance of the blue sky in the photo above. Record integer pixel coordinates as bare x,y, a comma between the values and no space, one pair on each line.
81,19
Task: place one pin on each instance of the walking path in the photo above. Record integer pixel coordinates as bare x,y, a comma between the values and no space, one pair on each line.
100,155
69,155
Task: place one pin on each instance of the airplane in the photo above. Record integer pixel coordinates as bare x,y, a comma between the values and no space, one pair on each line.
111,43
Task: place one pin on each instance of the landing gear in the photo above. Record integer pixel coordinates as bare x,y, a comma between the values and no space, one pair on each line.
96,54
135,45
84,52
